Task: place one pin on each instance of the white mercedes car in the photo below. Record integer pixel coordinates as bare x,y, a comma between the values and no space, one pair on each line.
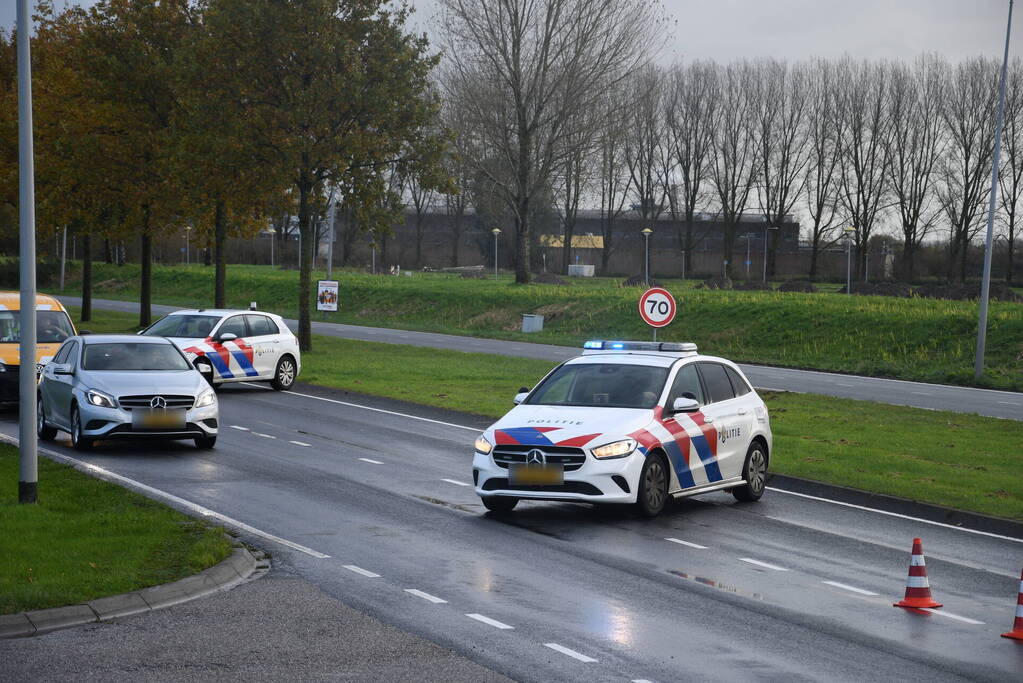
630,423
242,346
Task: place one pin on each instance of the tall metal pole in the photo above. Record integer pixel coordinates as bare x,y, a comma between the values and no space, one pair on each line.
28,470
747,256
63,256
330,245
848,264
766,235
985,288
683,265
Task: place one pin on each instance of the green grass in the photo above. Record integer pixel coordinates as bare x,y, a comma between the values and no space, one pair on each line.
918,339
963,461
87,539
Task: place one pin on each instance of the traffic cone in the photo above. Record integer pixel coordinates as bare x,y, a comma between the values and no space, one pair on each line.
1017,625
918,590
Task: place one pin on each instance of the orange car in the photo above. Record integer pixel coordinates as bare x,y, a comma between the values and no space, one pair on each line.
53,325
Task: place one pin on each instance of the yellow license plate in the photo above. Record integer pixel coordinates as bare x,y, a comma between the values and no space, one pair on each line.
537,475
159,419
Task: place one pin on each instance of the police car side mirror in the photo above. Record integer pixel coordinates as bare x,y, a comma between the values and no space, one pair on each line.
520,397
227,336
685,405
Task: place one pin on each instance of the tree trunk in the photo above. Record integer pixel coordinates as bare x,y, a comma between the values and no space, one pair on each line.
963,254
419,241
456,239
566,246
305,329
908,259
815,248
219,240
1008,272
108,255
207,254
146,285
86,278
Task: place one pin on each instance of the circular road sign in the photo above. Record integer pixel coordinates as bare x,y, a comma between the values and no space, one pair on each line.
657,307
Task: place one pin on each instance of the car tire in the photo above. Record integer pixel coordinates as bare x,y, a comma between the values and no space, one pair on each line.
284,375
42,430
754,473
652,494
78,442
499,504
205,442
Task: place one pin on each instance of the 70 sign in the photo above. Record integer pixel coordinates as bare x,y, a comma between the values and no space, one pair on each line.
657,307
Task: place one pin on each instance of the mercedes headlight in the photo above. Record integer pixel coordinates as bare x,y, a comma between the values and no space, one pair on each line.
206,398
483,446
98,398
615,449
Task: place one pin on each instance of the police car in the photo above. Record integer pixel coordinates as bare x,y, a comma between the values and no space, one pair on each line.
630,423
242,346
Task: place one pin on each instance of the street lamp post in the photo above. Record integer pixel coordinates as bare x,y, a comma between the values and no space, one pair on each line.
747,255
271,232
646,254
683,266
188,228
495,232
767,227
849,230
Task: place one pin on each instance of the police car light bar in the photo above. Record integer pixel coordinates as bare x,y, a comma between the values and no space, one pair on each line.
671,347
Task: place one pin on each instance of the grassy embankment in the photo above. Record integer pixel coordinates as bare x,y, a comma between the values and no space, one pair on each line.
87,539
962,461
919,339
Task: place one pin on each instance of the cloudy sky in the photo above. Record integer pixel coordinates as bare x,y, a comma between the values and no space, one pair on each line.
794,29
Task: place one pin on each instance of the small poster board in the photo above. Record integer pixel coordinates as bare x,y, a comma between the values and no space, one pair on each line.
326,295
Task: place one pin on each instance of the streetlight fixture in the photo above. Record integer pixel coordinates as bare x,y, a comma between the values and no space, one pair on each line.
495,232
188,228
646,258
767,228
849,231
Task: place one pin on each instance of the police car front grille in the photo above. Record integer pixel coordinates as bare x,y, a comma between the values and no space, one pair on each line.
571,458
146,401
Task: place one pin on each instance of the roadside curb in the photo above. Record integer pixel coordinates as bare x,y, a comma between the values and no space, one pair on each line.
238,567
899,506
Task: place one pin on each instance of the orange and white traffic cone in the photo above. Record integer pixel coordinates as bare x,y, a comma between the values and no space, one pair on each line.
1017,625
918,590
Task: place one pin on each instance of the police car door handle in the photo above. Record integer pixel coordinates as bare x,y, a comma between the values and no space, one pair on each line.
740,411
708,420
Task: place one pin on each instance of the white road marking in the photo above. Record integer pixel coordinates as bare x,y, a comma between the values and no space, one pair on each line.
426,596
265,436
374,462
847,587
457,483
1010,403
921,393
896,514
240,428
376,410
843,384
765,565
571,653
490,622
641,680
941,612
360,570
687,543
301,443
180,502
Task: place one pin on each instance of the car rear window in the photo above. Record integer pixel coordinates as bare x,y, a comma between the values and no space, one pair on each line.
716,381
137,356
738,383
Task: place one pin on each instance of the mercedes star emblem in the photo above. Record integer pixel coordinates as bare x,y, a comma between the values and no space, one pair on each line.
536,457
158,402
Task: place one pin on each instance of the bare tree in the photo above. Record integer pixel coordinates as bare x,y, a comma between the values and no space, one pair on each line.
784,141
423,195
457,164
613,180
968,112
571,179
735,163
1011,176
644,136
522,68
691,109
822,173
918,138
863,124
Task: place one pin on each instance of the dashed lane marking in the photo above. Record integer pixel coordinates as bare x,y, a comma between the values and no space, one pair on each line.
240,428
1010,403
301,443
265,436
847,587
373,462
360,570
490,622
456,483
570,652
686,543
426,596
943,613
765,565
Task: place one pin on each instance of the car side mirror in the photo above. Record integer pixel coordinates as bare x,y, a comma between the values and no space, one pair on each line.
227,336
205,369
63,369
82,333
685,405
520,397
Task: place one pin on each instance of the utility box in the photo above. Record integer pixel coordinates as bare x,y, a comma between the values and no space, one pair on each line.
532,323
580,270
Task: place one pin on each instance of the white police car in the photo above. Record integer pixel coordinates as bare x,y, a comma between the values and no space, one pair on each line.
631,423
242,346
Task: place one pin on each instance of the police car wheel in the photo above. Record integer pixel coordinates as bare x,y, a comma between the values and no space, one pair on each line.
499,503
44,432
205,442
78,442
754,472
284,376
652,496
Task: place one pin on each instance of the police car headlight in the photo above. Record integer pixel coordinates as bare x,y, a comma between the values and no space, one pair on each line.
98,398
206,398
483,446
615,449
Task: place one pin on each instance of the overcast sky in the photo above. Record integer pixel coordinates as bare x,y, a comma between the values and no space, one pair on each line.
794,29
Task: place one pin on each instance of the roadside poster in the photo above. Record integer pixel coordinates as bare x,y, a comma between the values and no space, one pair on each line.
326,295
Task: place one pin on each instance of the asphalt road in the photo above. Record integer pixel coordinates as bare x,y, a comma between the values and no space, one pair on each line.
1003,404
374,507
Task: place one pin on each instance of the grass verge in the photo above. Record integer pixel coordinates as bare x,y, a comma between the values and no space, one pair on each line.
963,461
87,539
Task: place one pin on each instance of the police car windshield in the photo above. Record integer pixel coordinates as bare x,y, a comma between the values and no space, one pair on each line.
51,327
602,385
137,356
193,326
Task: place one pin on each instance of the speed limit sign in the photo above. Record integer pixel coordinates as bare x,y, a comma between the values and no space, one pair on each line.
657,307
